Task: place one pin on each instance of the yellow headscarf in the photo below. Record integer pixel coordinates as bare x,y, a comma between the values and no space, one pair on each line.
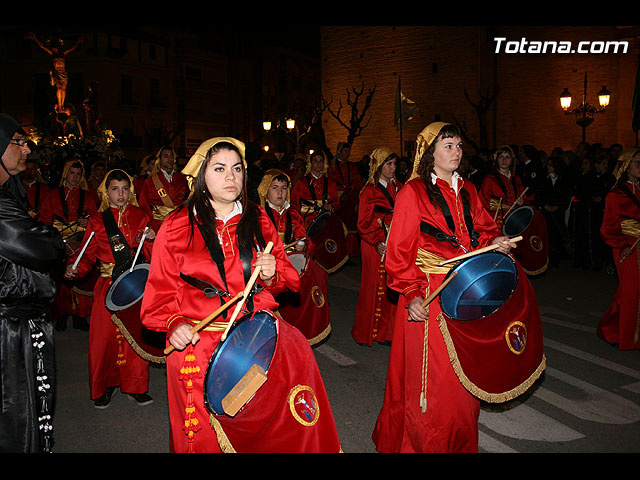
193,166
623,161
513,156
83,181
424,141
377,158
265,184
104,196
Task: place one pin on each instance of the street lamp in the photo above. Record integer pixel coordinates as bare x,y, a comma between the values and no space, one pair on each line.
585,112
289,123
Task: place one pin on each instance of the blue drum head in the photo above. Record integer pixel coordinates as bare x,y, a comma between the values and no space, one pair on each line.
481,286
251,341
127,289
518,221
318,224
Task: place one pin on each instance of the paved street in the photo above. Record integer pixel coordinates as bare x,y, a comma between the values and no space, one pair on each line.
588,399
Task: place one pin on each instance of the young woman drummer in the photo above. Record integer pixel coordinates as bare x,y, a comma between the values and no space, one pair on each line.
437,216
117,230
204,254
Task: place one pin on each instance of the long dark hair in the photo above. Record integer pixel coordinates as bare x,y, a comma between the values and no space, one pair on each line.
199,203
425,167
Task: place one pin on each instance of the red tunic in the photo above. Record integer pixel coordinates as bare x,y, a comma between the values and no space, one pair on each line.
347,177
376,305
112,361
149,199
492,189
621,322
74,297
301,195
37,194
169,301
308,309
450,421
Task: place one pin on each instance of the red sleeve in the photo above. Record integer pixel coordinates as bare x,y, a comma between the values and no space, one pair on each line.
611,230
369,227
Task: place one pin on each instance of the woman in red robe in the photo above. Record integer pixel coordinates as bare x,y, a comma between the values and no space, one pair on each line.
376,305
201,256
620,230
426,408
501,189
112,361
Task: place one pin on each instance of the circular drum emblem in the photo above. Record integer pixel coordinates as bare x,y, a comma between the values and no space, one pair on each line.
304,405
317,296
330,245
516,337
536,243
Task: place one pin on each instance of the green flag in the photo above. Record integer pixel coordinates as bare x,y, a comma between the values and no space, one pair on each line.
405,109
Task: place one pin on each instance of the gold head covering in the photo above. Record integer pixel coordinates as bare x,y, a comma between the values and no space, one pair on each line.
510,150
83,181
623,161
265,184
339,148
308,159
156,164
377,158
104,196
143,164
193,166
424,140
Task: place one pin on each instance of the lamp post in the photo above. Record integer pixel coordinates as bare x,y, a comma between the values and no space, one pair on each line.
585,112
289,123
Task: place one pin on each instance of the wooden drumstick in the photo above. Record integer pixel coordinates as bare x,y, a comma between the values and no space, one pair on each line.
631,250
75,264
477,252
517,200
247,290
144,235
203,323
495,216
289,245
435,293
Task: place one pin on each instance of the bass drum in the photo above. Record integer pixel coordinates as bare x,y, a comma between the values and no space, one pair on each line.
533,251
492,328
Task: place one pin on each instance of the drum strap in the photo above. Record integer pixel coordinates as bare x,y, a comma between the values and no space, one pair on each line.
288,234
65,207
502,186
468,220
386,194
119,247
162,193
325,188
629,194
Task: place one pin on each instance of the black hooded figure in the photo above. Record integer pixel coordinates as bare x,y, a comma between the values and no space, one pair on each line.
29,252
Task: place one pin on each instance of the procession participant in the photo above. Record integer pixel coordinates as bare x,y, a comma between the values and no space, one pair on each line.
98,171
117,228
144,172
68,208
501,188
165,189
349,181
29,252
308,310
426,408
376,305
621,230
203,256
35,186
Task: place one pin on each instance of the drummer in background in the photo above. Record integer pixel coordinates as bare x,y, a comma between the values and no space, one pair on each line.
37,189
426,408
315,192
165,189
112,361
68,208
308,309
376,305
620,230
184,263
502,188
146,168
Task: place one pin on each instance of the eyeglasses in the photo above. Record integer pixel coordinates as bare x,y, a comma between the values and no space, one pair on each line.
21,142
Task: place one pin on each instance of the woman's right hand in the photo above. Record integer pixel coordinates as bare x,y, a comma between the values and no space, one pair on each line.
416,311
182,336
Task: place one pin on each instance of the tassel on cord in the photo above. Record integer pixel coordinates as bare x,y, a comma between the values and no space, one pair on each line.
425,354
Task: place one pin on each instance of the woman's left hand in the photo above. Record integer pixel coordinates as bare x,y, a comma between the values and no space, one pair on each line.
267,264
505,244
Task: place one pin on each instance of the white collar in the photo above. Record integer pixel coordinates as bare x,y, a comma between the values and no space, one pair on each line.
455,177
284,206
168,175
237,208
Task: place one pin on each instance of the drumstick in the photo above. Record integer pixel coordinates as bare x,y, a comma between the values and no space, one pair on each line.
497,209
200,325
632,247
75,264
517,199
476,252
144,235
289,245
435,293
247,290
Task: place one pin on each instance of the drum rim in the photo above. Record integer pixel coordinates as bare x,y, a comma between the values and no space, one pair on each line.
521,207
324,214
221,344
107,298
459,265
306,263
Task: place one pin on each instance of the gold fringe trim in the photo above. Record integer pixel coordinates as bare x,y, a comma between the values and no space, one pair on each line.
538,271
223,440
84,293
136,348
473,388
321,336
331,270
